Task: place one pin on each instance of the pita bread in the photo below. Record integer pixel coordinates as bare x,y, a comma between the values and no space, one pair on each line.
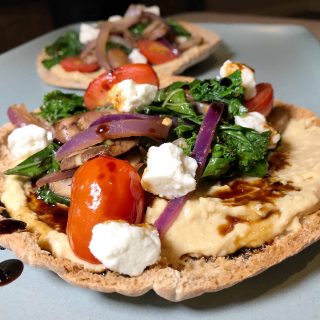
197,277
56,76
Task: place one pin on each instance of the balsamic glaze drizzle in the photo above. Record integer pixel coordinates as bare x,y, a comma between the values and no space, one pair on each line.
10,270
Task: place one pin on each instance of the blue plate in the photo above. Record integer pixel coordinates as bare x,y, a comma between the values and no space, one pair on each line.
288,57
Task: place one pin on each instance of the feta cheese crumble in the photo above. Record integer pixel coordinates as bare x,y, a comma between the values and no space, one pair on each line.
115,18
152,9
136,56
124,248
27,140
126,95
169,172
88,33
247,77
258,122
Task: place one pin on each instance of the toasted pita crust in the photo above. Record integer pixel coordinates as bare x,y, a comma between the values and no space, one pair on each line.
197,277
188,58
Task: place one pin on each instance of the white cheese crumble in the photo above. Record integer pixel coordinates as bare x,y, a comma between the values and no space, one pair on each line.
124,248
253,120
181,39
115,18
258,122
88,33
126,95
169,172
247,77
152,9
27,140
136,56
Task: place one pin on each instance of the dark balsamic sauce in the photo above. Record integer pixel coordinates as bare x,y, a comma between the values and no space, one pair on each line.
55,216
10,270
102,130
229,226
264,191
11,225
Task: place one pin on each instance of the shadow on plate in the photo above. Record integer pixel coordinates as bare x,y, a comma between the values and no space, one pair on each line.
276,279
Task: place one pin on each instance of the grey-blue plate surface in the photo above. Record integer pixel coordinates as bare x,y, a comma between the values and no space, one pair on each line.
286,56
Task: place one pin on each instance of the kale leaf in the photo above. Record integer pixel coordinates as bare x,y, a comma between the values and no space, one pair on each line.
238,150
65,46
235,150
227,90
172,100
50,197
177,28
138,28
58,105
38,164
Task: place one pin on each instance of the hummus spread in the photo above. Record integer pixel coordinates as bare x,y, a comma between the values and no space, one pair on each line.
211,224
15,199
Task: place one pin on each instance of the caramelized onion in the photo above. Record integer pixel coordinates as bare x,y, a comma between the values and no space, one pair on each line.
101,45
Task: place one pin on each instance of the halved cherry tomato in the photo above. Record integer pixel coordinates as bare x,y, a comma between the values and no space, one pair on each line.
77,64
156,52
103,189
263,101
96,94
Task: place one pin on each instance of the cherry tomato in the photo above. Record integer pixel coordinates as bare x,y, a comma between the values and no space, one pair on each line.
263,101
103,189
77,64
156,52
96,94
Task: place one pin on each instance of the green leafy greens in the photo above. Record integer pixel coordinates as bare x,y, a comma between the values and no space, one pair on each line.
228,90
240,149
177,28
38,164
65,46
49,197
58,105
173,101
235,150
138,28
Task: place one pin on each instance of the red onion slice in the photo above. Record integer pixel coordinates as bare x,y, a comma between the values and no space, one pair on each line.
206,133
19,116
123,116
200,154
113,130
55,176
170,213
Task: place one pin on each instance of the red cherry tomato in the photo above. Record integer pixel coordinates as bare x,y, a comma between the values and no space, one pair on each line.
156,52
263,101
77,64
96,94
103,189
